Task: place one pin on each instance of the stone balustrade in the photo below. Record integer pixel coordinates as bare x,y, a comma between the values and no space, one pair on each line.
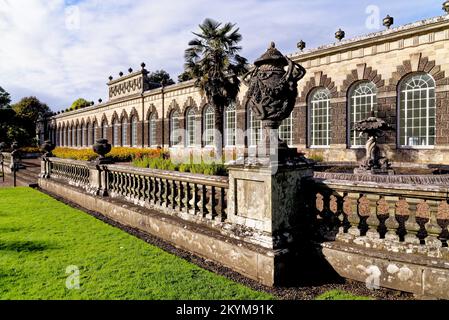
192,196
394,217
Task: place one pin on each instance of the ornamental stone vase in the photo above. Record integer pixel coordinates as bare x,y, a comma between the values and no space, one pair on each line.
271,95
48,147
102,147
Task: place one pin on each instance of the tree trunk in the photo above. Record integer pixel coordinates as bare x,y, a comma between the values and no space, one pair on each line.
219,132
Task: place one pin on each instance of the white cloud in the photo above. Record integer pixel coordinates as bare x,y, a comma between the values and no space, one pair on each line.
49,51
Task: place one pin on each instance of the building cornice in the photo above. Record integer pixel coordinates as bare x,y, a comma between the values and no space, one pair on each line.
408,30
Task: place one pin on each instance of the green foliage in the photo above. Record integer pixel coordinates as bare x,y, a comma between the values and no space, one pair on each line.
162,163
161,76
5,98
79,104
340,295
29,109
213,60
318,157
185,76
41,237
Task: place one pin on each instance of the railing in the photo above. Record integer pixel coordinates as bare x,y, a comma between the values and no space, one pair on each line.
75,172
381,216
198,195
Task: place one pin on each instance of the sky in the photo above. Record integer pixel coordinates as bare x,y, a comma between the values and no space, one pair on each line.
61,50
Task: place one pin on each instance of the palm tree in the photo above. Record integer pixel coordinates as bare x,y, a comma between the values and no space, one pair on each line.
212,59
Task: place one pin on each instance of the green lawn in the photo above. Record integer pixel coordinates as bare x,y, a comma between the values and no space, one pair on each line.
41,237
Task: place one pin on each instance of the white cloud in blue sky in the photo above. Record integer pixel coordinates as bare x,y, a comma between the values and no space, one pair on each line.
50,51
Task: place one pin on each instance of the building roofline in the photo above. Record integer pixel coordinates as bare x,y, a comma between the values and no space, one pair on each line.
375,37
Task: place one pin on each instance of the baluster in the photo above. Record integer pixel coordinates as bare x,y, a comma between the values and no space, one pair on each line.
202,200
353,217
180,195
391,223
161,191
155,190
411,226
210,202
433,229
373,221
220,208
167,193
188,196
173,196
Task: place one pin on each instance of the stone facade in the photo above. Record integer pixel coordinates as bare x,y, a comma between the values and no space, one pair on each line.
384,58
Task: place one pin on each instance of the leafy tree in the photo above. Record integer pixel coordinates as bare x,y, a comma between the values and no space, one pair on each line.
161,76
79,103
27,112
185,76
213,60
5,99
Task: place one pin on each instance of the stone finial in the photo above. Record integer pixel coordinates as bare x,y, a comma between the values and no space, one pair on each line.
92,103
340,34
446,6
143,65
130,70
110,78
388,21
120,74
301,45
100,100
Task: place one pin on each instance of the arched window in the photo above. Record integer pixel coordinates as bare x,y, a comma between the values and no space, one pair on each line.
115,132
134,131
417,111
152,130
93,134
286,130
104,128
190,126
230,125
209,126
255,129
319,118
78,135
174,129
61,136
88,134
362,100
124,126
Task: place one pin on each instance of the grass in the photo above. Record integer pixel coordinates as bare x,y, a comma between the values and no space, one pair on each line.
40,238
340,295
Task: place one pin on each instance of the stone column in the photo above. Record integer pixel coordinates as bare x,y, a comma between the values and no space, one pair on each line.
266,202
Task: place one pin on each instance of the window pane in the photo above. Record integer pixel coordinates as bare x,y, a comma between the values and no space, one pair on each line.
319,118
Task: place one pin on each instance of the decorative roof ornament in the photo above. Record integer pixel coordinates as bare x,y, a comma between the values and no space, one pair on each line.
340,34
388,21
100,100
120,74
143,65
130,70
110,78
446,6
301,45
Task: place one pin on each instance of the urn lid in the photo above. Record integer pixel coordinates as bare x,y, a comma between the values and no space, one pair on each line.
271,56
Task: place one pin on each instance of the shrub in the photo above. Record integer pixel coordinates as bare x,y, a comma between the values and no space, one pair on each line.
30,150
118,154
318,157
163,163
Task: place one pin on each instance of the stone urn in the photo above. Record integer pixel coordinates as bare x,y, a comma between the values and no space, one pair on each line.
102,147
48,147
271,95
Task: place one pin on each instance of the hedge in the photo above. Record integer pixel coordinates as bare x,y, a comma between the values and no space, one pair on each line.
118,154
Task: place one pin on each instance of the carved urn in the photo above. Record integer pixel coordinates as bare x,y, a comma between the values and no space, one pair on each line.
271,95
48,147
102,147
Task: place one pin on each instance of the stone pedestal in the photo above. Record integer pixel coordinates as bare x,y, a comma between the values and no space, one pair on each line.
266,202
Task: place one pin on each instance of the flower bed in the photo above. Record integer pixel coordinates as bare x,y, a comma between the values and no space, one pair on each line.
118,154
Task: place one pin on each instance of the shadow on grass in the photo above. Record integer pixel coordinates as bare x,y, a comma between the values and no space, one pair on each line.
25,246
8,229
